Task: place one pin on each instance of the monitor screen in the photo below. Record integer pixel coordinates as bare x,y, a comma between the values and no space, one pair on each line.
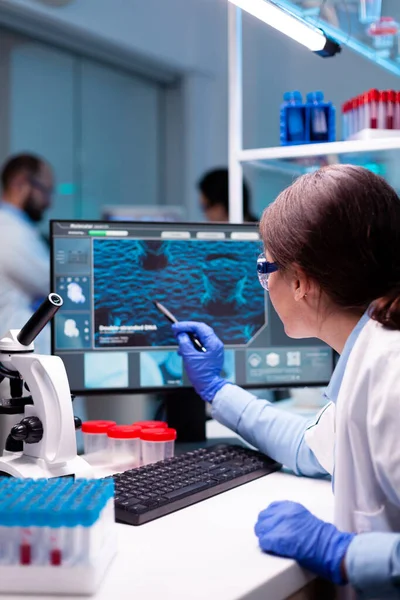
120,212
111,336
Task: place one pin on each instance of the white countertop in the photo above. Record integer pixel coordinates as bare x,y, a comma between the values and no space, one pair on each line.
209,550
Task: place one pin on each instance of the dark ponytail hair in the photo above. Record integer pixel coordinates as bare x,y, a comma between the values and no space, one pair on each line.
341,225
386,310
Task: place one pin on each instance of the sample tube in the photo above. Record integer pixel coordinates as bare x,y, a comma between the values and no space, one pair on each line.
361,113
354,115
370,10
157,444
390,109
124,445
367,111
95,440
25,545
374,96
382,109
397,112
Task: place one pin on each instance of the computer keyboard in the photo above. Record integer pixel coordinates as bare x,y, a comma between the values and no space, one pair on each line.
150,492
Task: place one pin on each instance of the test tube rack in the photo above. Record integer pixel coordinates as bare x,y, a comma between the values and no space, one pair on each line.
57,536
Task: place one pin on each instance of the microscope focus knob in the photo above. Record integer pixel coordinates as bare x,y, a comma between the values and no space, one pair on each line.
29,430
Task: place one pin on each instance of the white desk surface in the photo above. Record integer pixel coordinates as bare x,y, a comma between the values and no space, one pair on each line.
209,550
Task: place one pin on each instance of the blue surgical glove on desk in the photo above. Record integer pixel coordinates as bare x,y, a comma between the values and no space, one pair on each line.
203,368
288,529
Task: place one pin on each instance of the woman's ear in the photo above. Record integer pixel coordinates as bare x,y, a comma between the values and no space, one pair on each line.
300,284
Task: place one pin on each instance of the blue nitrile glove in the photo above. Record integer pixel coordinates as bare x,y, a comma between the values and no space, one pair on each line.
288,529
203,368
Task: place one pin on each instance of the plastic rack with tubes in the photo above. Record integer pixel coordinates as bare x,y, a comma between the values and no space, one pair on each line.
57,536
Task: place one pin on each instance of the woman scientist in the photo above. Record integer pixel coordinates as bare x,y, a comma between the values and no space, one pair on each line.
332,269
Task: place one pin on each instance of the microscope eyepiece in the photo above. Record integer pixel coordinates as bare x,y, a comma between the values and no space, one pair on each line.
39,319
55,299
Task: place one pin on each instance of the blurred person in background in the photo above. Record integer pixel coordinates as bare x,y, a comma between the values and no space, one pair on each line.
27,188
214,197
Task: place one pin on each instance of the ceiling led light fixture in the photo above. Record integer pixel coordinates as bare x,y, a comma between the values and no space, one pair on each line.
310,36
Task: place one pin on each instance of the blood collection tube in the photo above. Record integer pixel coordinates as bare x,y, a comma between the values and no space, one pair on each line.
56,531
373,108
361,112
397,112
55,550
390,109
350,127
45,523
25,541
367,111
25,550
349,110
21,519
382,109
355,105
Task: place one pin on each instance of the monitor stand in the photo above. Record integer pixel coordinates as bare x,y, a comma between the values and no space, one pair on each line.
186,412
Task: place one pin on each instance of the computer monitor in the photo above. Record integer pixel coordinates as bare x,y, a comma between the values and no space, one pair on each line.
121,212
111,336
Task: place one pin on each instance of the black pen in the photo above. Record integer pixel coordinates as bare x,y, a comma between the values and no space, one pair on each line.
194,339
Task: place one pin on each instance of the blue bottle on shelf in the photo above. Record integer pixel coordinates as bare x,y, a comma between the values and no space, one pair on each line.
292,119
321,118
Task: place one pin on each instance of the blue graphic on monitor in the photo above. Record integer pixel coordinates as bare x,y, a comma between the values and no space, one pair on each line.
159,368
72,330
219,287
75,292
72,256
229,370
106,370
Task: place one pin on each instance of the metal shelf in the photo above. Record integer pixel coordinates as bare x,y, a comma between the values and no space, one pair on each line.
303,158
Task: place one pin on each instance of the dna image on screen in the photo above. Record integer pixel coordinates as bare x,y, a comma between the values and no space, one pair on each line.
205,281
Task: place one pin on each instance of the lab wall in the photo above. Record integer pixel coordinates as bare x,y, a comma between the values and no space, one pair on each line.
99,127
154,30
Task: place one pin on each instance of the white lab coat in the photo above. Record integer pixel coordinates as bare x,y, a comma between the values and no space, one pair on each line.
24,274
359,438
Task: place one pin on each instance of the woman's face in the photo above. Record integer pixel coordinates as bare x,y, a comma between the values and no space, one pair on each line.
292,297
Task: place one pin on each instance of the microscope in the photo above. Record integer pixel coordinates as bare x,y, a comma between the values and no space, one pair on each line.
43,442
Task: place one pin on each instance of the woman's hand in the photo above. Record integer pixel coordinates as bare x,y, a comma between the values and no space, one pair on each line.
288,529
203,368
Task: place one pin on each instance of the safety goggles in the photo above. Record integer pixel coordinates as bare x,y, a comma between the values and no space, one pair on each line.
264,270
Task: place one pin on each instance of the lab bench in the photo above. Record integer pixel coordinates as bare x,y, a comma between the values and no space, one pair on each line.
209,551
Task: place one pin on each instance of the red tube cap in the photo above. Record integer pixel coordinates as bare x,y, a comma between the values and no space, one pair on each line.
97,426
124,432
374,95
151,424
158,435
384,96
